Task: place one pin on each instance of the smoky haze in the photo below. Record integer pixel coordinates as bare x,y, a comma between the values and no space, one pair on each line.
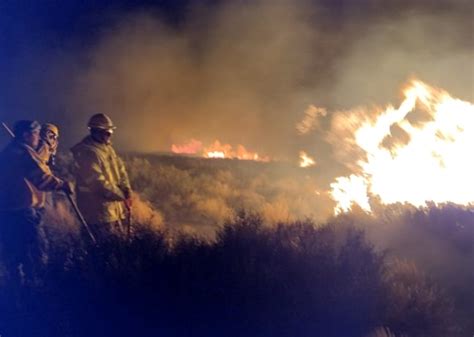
246,72
232,77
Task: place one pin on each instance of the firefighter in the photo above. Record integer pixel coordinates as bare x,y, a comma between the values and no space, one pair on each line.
102,184
24,178
48,143
47,148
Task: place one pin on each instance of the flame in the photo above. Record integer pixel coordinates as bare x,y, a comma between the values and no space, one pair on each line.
217,150
192,147
215,154
348,191
305,160
430,163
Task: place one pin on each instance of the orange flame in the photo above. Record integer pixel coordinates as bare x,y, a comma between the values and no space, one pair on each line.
192,147
217,150
431,164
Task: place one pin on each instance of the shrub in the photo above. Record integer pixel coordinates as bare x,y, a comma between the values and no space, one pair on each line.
292,279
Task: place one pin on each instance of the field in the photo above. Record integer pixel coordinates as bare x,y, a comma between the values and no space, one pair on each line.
237,248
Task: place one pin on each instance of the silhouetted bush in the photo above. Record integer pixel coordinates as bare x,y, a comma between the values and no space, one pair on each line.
293,279
416,305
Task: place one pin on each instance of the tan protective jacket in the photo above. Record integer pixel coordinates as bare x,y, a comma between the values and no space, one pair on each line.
24,178
102,181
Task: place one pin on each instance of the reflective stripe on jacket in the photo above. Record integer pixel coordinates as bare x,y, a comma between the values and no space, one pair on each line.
102,181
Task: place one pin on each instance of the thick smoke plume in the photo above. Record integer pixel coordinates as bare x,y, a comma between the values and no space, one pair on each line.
247,75
226,78
245,72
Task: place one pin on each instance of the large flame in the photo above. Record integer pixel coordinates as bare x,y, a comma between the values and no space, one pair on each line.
217,150
431,162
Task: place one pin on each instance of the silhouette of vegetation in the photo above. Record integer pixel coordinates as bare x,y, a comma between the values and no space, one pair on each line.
293,279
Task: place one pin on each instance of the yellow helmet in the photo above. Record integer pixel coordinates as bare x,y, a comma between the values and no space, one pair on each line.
49,127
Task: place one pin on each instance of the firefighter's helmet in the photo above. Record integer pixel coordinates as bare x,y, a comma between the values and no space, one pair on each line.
25,126
101,121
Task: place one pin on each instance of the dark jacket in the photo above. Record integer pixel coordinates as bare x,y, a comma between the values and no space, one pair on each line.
24,178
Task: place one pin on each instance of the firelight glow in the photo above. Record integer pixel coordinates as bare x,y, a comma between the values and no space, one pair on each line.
433,163
217,150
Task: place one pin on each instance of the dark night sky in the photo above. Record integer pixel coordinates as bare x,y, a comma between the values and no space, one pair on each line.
34,32
36,26
30,29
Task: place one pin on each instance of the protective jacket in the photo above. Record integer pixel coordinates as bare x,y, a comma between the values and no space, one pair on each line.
102,182
24,178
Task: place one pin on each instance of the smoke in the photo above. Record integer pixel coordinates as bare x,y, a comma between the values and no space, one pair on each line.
245,73
249,73
61,222
232,78
201,195
242,72
144,214
310,120
435,48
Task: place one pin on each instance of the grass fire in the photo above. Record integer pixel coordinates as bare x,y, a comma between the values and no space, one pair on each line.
237,168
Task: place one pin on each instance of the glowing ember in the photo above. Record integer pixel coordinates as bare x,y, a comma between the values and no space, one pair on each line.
431,162
305,160
217,150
